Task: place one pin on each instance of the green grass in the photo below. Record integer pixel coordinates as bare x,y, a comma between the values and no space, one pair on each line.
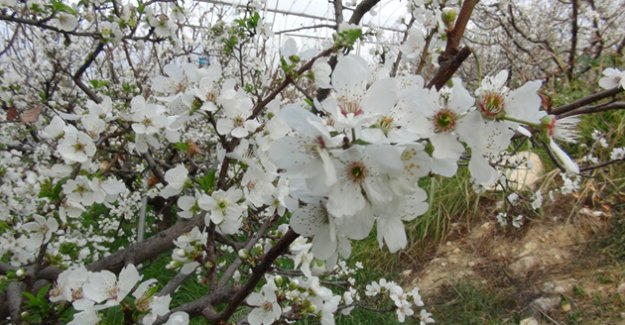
467,304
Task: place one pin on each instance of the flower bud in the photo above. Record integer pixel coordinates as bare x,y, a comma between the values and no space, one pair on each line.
244,254
449,15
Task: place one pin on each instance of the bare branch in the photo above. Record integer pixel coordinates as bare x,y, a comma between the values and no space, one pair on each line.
361,9
76,77
594,109
399,55
287,81
197,306
574,28
42,25
14,301
11,41
586,100
605,164
174,283
338,12
304,28
447,70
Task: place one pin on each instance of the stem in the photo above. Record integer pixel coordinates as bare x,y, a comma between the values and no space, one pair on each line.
514,119
259,271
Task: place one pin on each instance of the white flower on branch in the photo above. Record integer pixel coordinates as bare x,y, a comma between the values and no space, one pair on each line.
612,78
64,21
266,307
76,146
223,209
105,287
175,178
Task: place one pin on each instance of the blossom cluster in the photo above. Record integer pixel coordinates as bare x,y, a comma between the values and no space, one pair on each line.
89,292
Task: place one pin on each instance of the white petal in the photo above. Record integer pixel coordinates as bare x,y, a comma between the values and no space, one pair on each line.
446,146
481,171
324,245
393,232
569,165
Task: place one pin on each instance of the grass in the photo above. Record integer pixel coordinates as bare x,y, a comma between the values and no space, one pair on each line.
467,304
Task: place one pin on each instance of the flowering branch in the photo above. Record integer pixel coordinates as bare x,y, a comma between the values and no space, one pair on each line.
287,81
147,249
257,274
250,243
452,58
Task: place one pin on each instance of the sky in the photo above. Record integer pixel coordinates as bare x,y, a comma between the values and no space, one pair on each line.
316,12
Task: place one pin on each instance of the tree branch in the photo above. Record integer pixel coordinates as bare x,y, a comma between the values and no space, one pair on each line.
250,243
574,28
195,307
586,100
361,9
280,248
14,301
605,164
147,249
593,109
338,12
76,77
452,58
399,55
447,69
288,80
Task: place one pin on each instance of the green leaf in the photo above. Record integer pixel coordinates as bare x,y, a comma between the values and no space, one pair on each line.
347,38
181,146
97,84
59,6
208,181
32,300
51,190
252,22
294,58
140,7
43,291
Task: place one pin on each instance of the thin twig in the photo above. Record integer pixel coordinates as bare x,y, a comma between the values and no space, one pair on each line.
77,76
250,243
586,100
593,109
280,248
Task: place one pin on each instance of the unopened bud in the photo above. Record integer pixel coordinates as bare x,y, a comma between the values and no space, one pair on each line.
20,273
449,15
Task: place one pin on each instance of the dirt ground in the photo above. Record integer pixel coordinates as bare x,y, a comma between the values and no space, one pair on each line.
553,269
